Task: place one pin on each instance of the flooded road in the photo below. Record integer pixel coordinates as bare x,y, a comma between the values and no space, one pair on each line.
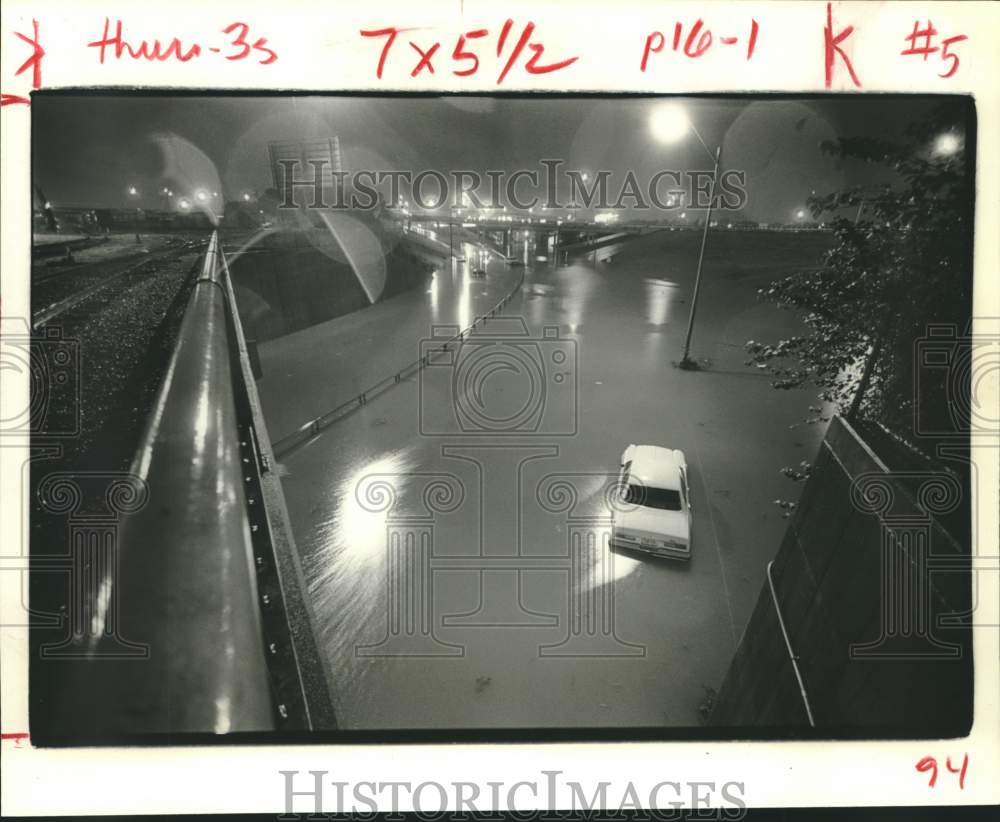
310,371
454,530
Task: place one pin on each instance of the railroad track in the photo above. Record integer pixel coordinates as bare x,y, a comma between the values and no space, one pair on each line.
61,269
107,271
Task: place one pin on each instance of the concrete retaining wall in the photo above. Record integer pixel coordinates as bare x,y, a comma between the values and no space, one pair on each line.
861,584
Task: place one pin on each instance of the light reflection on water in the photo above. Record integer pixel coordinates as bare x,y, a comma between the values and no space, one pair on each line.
660,296
432,289
593,506
347,573
608,566
464,307
579,285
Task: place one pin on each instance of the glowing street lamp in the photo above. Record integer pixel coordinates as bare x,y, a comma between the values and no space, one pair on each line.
670,123
200,196
947,144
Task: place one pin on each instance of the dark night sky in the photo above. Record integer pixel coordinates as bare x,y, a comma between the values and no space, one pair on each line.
89,150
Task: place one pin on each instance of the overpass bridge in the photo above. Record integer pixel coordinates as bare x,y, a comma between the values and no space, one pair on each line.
559,238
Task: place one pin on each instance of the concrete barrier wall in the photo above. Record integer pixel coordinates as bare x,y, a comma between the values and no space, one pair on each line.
860,582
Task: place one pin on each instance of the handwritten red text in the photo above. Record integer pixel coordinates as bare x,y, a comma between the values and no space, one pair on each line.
464,59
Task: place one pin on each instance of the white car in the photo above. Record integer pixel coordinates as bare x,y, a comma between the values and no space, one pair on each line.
653,512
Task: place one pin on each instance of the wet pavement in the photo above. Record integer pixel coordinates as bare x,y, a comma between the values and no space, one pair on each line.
453,530
309,372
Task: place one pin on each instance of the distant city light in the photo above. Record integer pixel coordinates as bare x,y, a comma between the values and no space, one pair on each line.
800,214
246,198
183,204
947,144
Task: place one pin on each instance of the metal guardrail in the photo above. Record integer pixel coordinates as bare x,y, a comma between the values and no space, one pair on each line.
792,656
312,428
299,675
188,587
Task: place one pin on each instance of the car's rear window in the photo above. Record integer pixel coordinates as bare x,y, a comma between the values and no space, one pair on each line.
664,498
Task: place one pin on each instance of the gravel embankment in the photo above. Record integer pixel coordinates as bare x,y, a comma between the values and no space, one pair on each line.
125,333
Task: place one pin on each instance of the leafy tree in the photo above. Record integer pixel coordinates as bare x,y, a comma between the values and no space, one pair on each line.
901,260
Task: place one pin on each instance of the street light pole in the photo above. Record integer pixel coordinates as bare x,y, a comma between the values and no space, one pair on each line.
686,361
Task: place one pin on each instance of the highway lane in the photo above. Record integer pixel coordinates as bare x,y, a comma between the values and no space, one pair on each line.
309,372
515,633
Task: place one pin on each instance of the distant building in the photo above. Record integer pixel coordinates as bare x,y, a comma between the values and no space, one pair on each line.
309,155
